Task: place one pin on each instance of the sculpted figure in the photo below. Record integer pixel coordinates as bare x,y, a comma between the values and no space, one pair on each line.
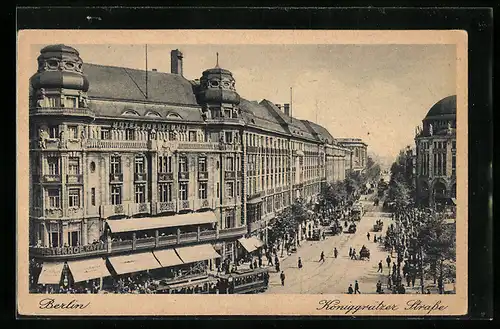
430,130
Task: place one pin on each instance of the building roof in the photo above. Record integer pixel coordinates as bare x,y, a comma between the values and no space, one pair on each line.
321,132
257,115
447,105
130,84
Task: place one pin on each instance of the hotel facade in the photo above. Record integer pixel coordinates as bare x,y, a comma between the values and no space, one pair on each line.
133,170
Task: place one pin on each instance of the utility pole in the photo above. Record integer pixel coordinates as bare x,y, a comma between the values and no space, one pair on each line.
291,105
146,71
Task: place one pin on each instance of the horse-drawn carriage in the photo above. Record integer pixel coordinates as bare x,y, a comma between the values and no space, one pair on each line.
377,227
364,253
352,228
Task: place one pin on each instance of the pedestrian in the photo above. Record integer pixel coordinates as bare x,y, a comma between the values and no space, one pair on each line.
389,281
408,280
276,259
322,257
354,254
413,278
282,277
368,236
380,269
299,263
374,238
335,252
254,263
388,260
440,286
269,261
394,268
350,291
277,267
356,288
379,287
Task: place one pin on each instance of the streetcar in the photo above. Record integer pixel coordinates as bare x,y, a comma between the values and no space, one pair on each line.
203,284
244,281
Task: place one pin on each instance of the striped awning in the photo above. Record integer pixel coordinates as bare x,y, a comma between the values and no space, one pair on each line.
51,273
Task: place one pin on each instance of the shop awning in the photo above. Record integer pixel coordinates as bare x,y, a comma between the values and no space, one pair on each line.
255,200
151,223
167,257
51,273
134,262
248,244
197,253
257,242
88,269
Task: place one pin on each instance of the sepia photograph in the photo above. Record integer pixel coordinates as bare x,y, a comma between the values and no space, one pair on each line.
230,168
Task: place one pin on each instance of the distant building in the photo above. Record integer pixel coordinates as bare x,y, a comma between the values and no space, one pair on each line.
358,152
436,155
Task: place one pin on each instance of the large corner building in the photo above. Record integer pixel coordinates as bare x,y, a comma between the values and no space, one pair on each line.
129,162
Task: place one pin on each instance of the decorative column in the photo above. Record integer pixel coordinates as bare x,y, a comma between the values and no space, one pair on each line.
84,232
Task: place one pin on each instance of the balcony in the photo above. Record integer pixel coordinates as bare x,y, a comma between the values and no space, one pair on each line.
204,203
108,144
53,213
162,207
116,178
139,208
113,210
202,146
270,191
74,179
165,177
232,232
51,179
184,205
229,175
66,111
255,196
140,177
184,175
202,175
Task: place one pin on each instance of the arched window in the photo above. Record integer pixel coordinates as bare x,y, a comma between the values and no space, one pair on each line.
130,113
173,115
153,114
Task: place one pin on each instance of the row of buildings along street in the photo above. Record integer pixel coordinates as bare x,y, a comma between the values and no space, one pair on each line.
148,182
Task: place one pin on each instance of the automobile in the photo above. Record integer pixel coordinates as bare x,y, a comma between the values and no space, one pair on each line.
352,228
364,253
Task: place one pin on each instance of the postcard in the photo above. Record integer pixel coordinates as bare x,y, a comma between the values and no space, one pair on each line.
242,172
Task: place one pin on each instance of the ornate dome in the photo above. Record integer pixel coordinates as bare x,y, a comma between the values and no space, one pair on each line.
446,106
60,66
217,85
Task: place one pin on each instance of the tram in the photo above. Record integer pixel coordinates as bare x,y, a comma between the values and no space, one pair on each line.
244,282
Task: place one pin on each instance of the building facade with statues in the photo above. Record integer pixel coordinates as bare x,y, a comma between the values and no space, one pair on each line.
139,168
436,146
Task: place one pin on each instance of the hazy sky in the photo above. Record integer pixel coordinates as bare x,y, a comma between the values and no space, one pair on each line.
375,92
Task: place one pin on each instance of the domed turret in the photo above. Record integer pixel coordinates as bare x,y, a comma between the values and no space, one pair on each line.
59,81
60,66
441,118
217,85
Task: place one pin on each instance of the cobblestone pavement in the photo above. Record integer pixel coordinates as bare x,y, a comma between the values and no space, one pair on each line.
333,276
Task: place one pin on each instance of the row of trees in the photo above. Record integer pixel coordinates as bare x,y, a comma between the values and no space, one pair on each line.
401,185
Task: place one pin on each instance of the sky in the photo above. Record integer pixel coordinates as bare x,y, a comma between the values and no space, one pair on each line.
378,93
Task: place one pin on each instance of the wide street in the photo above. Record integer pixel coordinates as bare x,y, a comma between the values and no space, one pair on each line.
335,275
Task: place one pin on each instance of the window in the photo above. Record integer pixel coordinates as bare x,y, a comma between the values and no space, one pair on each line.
74,198
202,164
238,187
229,219
74,238
54,237
92,166
229,164
116,165
218,190
139,165
228,113
192,136
165,192
130,134
183,191
140,193
92,196
229,189
105,133
71,102
37,194
53,131
202,191
165,164
183,164
54,198
73,132
54,101
74,166
53,164
228,137
453,145
116,194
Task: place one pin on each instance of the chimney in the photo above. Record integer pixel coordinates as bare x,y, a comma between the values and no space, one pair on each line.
176,62
278,106
286,109
154,70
